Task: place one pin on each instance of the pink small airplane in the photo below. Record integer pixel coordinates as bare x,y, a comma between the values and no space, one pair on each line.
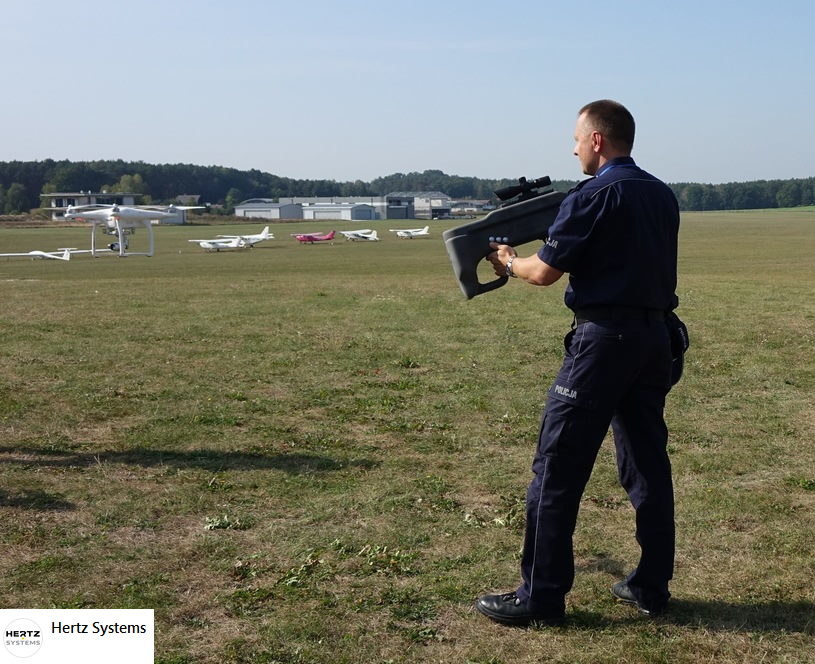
311,238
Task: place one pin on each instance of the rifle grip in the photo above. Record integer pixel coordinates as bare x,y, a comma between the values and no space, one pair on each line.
465,257
491,285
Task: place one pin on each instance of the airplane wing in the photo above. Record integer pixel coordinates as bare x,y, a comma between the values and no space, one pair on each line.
364,234
60,255
411,232
73,251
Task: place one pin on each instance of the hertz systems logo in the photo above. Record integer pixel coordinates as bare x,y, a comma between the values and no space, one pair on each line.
22,637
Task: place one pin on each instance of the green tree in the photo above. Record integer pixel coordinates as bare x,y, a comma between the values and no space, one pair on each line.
690,198
16,200
711,198
808,192
76,176
233,197
789,194
131,184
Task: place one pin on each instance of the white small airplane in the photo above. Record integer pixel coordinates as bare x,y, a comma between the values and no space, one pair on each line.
250,240
62,254
410,233
361,234
223,244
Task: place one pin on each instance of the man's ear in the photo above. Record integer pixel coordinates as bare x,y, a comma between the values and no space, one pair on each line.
596,141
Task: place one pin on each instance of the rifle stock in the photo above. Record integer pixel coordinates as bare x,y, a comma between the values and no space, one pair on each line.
513,224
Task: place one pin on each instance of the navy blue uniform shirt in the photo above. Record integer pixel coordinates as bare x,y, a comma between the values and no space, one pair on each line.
616,236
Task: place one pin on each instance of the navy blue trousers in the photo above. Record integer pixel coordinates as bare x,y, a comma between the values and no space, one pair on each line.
617,374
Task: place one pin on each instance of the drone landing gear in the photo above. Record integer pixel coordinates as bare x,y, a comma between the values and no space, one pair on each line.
122,231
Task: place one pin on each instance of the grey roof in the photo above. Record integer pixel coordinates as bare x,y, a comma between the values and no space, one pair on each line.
337,206
250,201
373,200
89,193
416,194
265,203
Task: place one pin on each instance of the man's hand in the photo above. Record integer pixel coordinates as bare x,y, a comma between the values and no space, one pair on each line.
500,257
530,269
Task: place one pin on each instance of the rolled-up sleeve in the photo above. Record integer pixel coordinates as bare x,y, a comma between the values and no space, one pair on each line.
571,231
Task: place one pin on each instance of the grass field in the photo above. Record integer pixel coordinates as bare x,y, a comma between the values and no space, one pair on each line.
304,454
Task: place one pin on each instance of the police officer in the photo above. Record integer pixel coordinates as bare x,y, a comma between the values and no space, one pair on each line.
616,236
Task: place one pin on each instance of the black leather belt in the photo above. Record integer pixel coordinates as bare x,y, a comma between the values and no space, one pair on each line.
618,313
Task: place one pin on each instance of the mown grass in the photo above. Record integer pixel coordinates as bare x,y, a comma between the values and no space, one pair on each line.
319,453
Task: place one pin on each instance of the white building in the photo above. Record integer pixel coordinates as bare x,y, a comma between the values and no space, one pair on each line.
266,208
345,211
385,207
426,204
59,202
470,206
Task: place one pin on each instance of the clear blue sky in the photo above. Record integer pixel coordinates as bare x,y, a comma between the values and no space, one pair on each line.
722,90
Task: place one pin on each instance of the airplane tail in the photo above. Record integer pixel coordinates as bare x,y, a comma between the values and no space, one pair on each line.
65,254
374,235
265,233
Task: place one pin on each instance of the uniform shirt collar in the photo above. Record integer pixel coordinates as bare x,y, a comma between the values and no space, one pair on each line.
619,161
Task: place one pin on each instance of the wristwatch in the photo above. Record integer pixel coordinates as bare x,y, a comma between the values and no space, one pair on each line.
509,267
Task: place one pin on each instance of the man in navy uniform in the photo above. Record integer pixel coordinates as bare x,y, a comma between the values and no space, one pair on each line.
616,236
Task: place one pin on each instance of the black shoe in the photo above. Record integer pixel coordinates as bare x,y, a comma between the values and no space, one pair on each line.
623,593
508,609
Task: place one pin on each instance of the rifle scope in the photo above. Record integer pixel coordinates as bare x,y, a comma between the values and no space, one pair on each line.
523,187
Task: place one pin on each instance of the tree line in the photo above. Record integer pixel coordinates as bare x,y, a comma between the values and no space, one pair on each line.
22,183
756,195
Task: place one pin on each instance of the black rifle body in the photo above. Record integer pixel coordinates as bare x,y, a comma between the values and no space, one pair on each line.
514,224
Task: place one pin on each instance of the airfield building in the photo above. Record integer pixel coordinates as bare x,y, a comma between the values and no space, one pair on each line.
59,202
470,206
266,208
349,211
426,204
304,208
385,207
